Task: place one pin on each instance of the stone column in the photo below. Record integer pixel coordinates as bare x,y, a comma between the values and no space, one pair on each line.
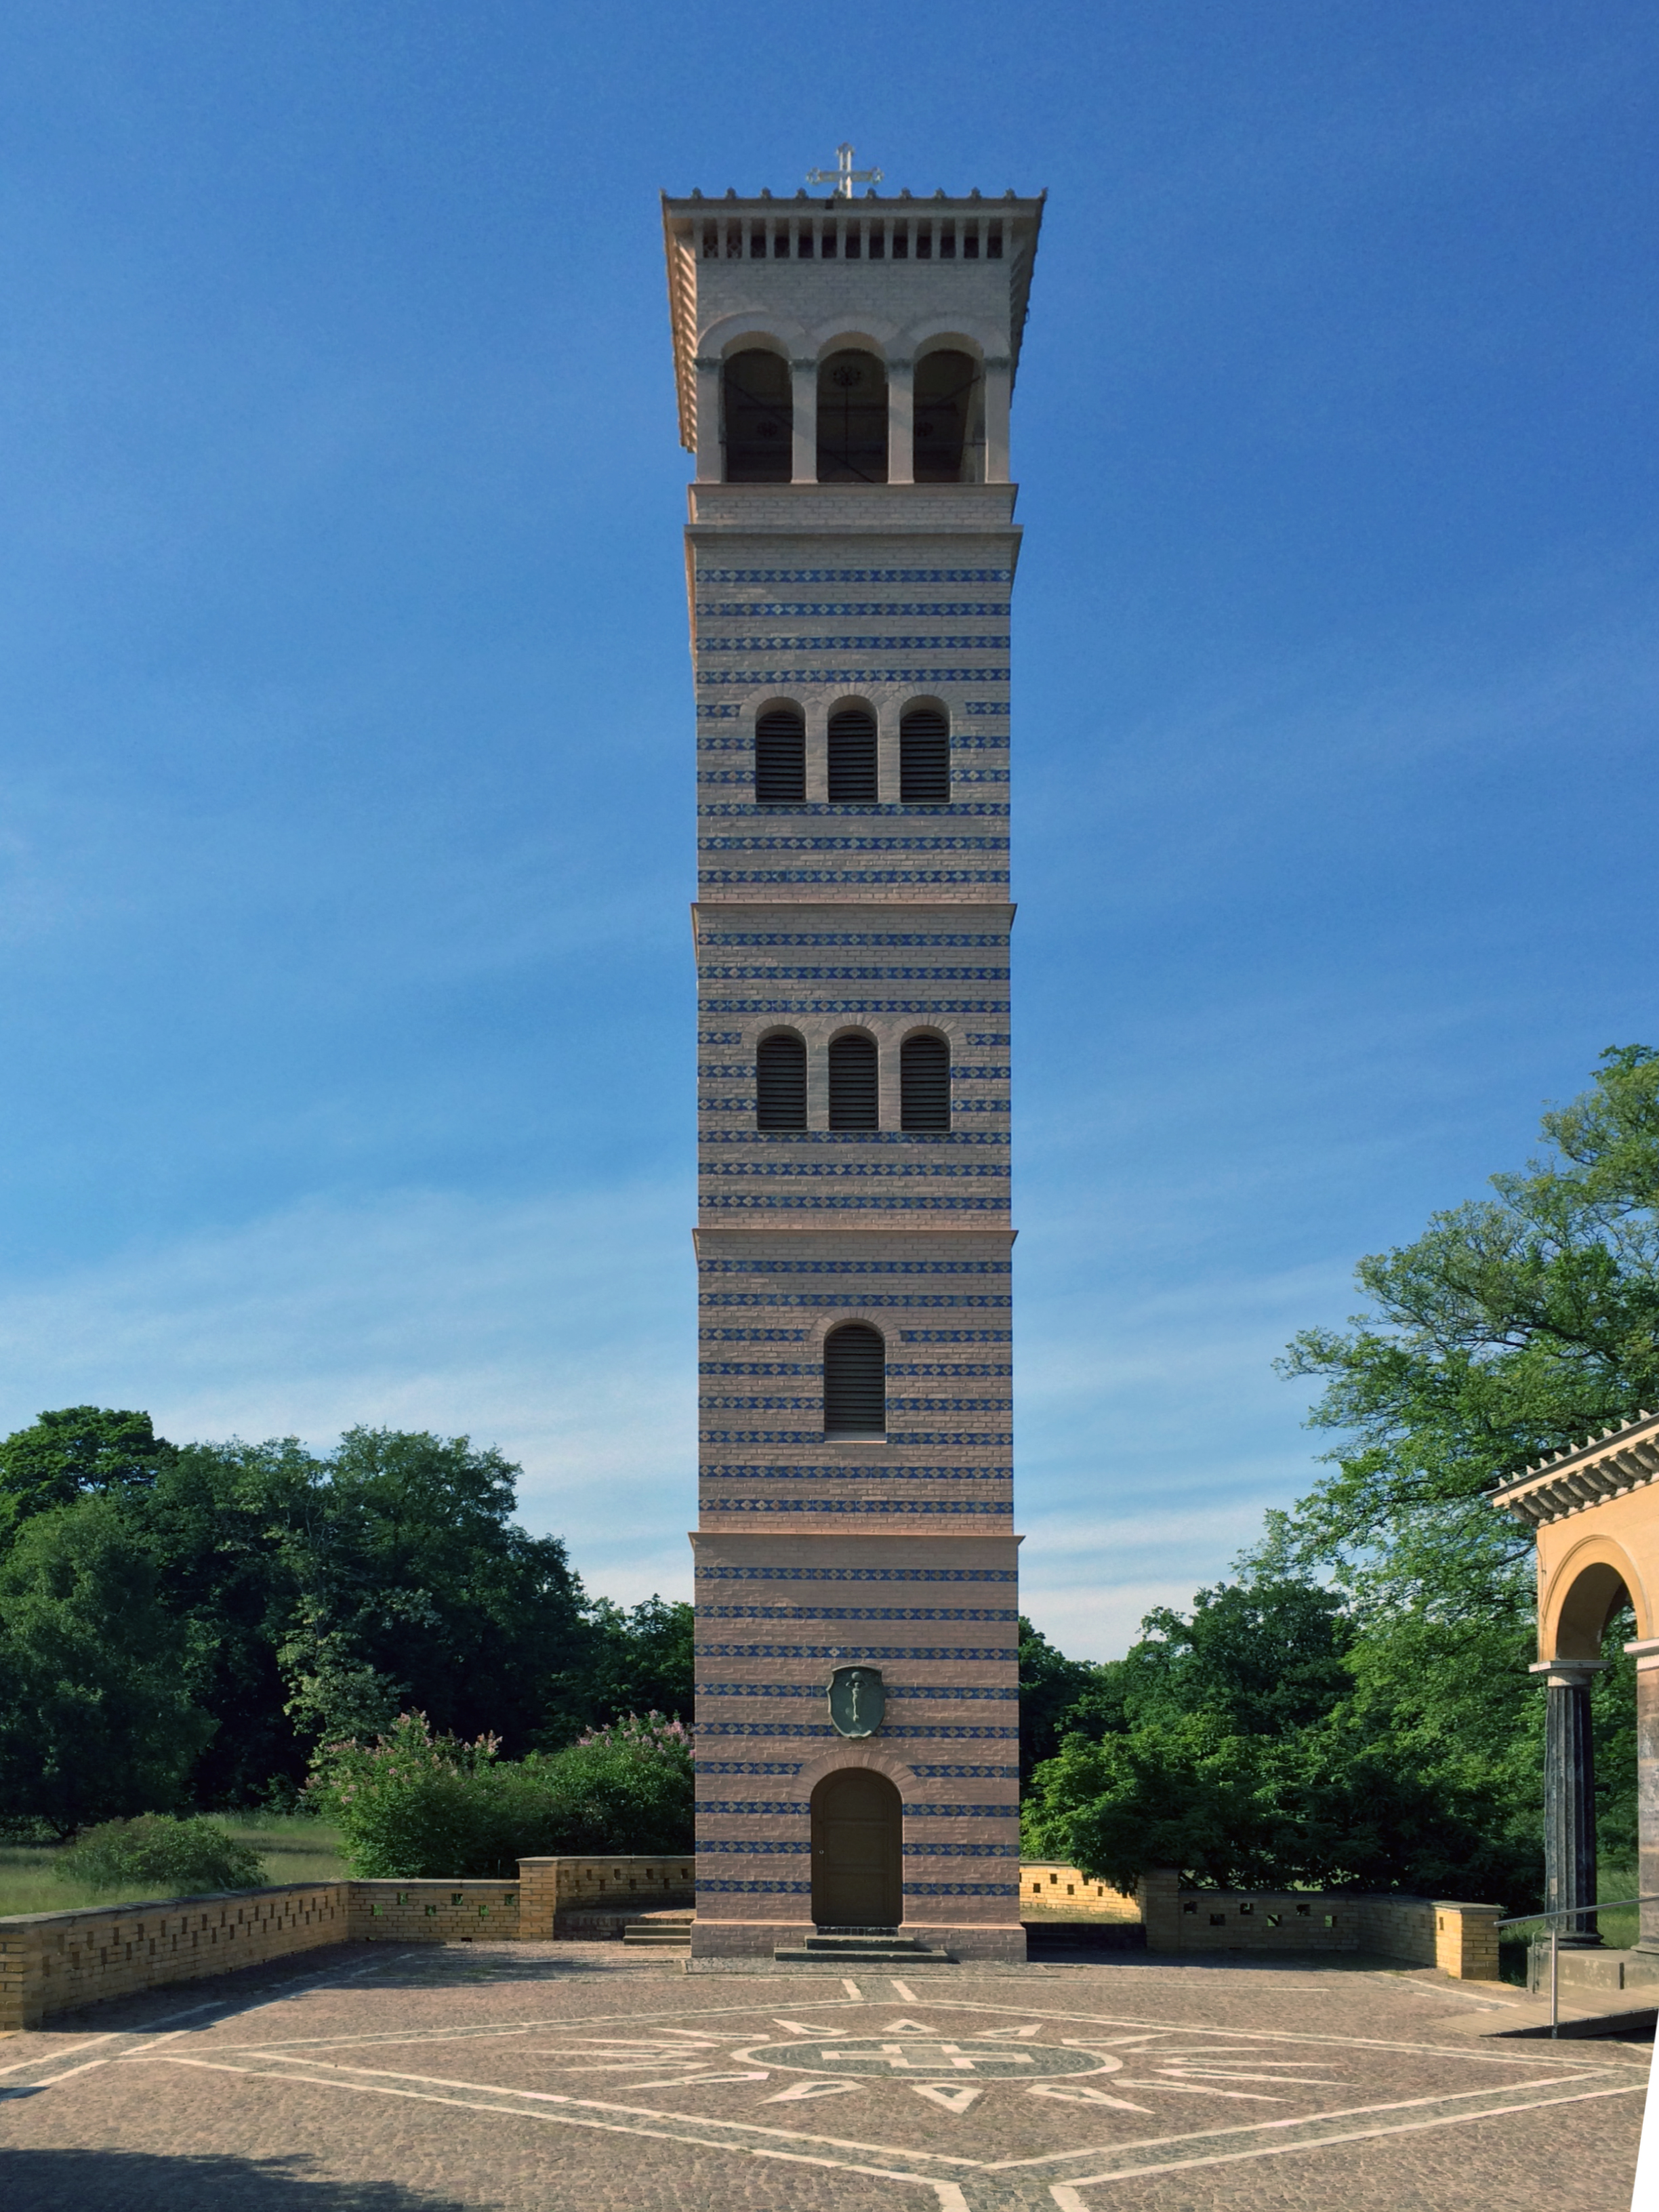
900,421
710,450
1570,1799
804,399
999,395
1646,1652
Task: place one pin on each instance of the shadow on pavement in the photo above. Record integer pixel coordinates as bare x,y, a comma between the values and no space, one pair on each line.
133,2181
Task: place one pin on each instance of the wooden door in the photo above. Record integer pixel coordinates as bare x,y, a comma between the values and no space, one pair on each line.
857,1846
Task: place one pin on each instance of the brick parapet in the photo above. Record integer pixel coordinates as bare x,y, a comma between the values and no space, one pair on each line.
56,1962
1460,1938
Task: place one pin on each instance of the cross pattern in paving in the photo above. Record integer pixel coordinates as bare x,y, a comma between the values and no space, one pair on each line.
993,2097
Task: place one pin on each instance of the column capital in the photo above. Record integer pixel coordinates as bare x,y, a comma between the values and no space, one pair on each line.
1642,1646
1571,1674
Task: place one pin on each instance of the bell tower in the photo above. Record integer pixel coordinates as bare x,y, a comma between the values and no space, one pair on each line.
844,368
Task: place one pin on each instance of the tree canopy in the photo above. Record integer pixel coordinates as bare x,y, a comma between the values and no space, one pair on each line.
217,1610
1355,1707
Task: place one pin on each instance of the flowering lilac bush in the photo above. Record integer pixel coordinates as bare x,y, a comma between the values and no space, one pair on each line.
413,1804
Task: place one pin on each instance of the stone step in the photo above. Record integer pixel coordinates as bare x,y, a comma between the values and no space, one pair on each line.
660,1939
870,1947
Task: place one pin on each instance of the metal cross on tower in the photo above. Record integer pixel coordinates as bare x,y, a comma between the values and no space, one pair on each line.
845,176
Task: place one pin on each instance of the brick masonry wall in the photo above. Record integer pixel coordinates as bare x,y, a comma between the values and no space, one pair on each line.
1460,1937
432,1911
888,915
55,1962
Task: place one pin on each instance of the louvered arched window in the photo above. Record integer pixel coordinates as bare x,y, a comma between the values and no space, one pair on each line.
759,418
854,1382
852,753
853,1096
780,757
924,756
924,1082
781,1082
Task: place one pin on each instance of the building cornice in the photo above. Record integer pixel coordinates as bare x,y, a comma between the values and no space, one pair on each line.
1618,1460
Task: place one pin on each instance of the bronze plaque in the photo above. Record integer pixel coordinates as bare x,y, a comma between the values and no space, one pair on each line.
858,1701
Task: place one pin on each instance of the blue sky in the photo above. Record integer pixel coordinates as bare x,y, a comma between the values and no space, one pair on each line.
345,830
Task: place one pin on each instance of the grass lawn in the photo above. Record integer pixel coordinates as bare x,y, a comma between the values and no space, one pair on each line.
294,1849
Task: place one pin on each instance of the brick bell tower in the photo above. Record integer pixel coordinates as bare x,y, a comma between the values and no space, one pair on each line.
845,368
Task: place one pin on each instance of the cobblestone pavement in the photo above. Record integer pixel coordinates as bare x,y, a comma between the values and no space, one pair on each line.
576,2076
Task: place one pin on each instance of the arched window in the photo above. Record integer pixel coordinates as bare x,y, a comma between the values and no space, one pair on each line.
780,756
854,1382
924,756
781,1082
946,389
854,1100
852,419
853,754
759,419
924,1082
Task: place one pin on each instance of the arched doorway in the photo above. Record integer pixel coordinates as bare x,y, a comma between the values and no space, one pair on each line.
857,1851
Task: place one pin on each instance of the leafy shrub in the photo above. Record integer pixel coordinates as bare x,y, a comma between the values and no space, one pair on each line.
175,1858
412,1804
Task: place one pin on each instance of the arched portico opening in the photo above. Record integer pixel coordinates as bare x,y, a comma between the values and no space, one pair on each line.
1595,1515
858,1844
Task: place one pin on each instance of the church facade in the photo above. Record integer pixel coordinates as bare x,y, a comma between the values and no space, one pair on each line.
845,368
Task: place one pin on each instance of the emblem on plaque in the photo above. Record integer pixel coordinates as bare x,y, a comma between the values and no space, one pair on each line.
858,1701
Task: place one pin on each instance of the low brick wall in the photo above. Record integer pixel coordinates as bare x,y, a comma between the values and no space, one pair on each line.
1458,1937
1051,1885
432,1911
55,1961
553,1888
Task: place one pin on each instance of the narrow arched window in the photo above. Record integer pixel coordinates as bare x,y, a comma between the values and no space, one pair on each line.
946,386
854,1100
853,754
924,1082
924,756
759,418
854,1382
780,756
852,419
781,1082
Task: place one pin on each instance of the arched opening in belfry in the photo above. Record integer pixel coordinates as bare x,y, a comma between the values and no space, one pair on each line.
852,419
854,1382
780,757
759,418
947,425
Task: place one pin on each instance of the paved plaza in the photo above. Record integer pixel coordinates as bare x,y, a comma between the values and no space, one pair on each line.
463,2075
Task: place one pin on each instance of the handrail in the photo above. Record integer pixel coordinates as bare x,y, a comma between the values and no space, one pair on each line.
1576,1911
1567,1912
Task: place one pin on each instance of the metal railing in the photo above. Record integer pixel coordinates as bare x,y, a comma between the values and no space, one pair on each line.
1568,1912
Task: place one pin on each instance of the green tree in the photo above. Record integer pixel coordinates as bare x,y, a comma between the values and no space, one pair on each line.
97,1719
80,1451
1050,1684
1516,1325
644,1659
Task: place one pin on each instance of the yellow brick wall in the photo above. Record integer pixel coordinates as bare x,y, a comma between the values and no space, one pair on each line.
55,1961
